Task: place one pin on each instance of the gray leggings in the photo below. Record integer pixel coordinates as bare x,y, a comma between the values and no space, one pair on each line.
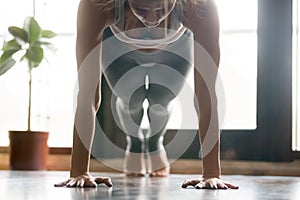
134,76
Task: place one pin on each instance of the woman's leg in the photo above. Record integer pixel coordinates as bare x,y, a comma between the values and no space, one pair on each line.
158,112
130,113
127,82
165,82
130,116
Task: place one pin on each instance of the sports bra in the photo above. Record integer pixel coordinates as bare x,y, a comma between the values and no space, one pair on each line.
148,37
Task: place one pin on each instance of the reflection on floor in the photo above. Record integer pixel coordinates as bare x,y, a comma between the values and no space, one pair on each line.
39,185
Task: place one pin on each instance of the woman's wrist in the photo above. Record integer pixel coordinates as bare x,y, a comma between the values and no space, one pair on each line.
78,172
211,171
211,175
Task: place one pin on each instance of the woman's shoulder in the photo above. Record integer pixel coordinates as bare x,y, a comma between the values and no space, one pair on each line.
200,7
196,12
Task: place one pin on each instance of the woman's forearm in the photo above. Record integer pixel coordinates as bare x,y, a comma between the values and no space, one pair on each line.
210,143
80,156
90,24
88,102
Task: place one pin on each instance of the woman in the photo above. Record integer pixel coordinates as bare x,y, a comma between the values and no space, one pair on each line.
147,33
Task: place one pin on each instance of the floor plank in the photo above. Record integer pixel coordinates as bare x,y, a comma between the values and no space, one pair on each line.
181,166
39,185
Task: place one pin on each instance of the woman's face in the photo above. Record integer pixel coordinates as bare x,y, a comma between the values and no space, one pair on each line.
151,12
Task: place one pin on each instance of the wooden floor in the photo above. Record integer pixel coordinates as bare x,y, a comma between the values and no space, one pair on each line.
23,185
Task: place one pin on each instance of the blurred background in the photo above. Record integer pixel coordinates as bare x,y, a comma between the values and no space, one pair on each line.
259,73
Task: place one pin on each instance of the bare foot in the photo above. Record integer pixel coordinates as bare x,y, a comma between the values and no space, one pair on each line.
134,164
158,165
160,172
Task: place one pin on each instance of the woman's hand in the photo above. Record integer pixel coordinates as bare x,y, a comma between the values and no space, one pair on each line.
211,183
85,180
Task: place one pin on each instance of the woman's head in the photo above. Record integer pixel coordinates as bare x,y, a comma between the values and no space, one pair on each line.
151,12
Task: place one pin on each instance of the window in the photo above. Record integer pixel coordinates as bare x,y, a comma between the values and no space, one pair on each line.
296,76
53,83
271,140
238,64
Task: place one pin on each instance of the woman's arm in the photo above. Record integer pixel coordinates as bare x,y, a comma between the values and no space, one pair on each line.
91,21
201,18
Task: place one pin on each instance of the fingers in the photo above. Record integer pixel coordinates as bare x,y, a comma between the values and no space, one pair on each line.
222,186
68,183
200,185
231,186
85,181
80,183
105,180
90,183
207,185
71,183
62,183
192,182
212,183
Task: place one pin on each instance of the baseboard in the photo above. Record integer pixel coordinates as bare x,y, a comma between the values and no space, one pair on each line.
182,166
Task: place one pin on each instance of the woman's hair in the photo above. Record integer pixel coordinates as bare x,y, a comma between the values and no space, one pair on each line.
104,4
109,4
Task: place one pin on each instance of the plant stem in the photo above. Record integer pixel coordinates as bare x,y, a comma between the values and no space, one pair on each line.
29,99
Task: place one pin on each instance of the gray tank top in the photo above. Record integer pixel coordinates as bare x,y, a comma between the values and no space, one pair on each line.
148,37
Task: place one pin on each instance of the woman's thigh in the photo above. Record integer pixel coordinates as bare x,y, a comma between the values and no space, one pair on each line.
126,80
167,78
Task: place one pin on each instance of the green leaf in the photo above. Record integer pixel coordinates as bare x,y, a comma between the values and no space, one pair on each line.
7,54
5,66
33,29
48,34
10,45
35,64
22,58
18,33
35,54
40,43
48,45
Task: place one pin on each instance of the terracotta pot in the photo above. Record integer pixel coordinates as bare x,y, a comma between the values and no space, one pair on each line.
28,150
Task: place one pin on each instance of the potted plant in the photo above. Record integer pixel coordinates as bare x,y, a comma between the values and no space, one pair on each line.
28,149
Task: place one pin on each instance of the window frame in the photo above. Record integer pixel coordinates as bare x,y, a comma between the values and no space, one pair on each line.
272,140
